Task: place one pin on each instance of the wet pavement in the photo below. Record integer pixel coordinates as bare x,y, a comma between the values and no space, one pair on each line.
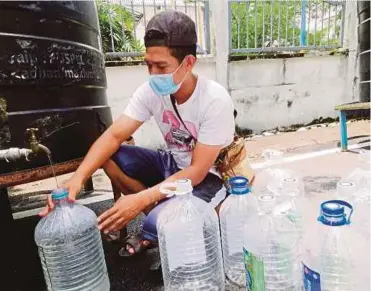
320,173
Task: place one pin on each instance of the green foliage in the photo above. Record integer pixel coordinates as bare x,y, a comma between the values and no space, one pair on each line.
117,21
256,22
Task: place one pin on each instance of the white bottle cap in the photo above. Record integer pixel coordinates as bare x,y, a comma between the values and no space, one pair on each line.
179,187
346,189
183,186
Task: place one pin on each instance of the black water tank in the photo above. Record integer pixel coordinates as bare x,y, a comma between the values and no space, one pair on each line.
52,77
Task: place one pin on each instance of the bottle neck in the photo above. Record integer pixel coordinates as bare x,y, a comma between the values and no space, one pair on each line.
183,196
61,202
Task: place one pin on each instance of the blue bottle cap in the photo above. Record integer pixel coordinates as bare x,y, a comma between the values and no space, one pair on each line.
239,185
60,193
333,213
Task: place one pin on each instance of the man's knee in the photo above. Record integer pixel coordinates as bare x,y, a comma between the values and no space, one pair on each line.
149,230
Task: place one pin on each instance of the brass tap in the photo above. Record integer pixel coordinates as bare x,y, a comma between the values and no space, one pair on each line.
35,146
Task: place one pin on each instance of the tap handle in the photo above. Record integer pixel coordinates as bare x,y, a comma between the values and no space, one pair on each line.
32,130
32,133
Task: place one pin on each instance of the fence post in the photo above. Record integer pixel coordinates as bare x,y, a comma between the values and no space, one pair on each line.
350,42
303,29
221,30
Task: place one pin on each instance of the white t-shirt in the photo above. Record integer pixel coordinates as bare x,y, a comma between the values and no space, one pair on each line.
207,114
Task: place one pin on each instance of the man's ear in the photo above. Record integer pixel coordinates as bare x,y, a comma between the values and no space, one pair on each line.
190,62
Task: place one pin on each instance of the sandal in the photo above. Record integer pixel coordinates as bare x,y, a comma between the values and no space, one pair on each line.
135,243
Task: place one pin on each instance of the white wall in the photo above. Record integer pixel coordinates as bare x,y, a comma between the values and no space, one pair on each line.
267,93
282,92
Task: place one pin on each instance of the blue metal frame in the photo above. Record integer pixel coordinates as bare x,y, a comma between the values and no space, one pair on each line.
303,29
343,130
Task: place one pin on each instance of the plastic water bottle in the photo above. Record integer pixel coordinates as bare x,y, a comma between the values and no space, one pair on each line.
362,206
360,197
70,247
292,202
361,176
270,178
271,249
189,241
328,258
234,213
346,190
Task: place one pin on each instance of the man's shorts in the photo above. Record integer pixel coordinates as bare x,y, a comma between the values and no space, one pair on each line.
152,167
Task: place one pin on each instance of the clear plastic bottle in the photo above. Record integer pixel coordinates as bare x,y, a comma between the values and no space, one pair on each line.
189,242
70,247
234,213
361,176
328,262
273,173
346,190
291,203
271,244
360,197
362,206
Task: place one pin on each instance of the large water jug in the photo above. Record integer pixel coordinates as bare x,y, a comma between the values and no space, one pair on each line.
189,241
360,197
271,244
234,213
362,206
292,202
361,175
329,263
271,176
70,247
346,190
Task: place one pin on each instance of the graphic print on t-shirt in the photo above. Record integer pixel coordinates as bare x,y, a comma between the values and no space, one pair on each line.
178,136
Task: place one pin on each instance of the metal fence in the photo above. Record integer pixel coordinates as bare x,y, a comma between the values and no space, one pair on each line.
285,25
123,22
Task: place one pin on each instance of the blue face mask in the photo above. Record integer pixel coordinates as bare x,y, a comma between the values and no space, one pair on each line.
163,84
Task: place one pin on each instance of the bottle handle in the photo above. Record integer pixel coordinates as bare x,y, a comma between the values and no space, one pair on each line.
168,189
346,204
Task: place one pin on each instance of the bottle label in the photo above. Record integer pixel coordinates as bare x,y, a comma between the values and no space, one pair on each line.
254,268
311,279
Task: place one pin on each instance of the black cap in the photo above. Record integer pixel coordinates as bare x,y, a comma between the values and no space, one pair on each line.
177,29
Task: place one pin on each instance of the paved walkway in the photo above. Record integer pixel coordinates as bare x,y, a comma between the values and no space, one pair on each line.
314,139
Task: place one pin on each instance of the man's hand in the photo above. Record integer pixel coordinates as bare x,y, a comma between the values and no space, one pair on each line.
124,210
73,187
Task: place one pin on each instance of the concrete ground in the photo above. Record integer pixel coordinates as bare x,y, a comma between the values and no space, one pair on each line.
314,154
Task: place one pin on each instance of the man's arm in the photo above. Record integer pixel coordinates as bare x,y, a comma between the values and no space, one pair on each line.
104,147
128,207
